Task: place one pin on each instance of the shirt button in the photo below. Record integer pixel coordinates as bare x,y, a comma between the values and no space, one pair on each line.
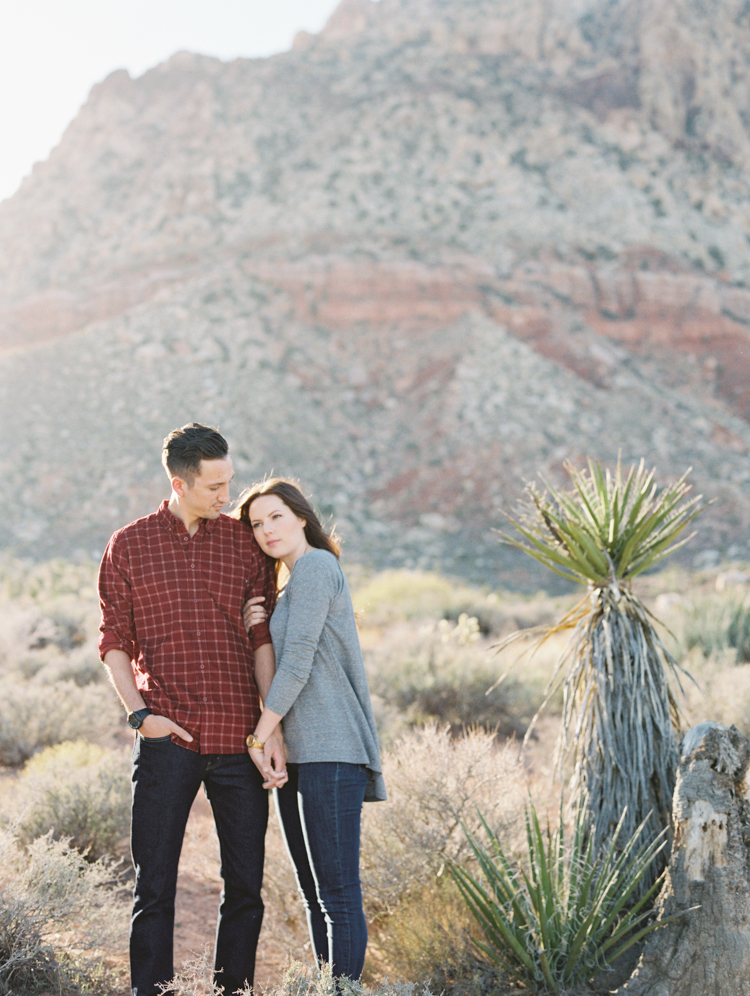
202,666
192,565
205,699
198,633
184,539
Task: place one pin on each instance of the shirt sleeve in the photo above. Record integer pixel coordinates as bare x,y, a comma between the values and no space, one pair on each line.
310,594
262,582
117,627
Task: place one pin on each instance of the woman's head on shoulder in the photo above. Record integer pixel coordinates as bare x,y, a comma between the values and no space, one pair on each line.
279,514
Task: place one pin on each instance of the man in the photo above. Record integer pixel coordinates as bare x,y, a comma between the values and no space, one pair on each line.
172,586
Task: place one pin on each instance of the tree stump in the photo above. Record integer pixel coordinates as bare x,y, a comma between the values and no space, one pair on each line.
704,951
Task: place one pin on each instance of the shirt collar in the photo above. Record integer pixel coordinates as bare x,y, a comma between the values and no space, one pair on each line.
174,525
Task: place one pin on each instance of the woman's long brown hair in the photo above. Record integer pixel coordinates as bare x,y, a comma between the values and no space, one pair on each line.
294,499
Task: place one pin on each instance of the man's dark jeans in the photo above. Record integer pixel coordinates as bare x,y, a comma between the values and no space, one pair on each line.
320,809
166,779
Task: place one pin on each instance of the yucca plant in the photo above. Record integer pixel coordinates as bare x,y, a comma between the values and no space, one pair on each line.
570,912
619,712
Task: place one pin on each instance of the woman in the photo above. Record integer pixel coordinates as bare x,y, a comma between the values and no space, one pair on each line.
320,691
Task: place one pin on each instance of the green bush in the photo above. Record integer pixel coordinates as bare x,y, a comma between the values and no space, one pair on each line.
76,792
717,624
35,715
59,915
395,596
558,920
442,672
398,595
22,579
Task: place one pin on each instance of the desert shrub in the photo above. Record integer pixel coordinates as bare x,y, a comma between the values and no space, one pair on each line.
397,595
718,623
77,792
443,672
34,715
65,623
196,979
23,579
435,784
567,912
81,666
720,690
58,916
428,939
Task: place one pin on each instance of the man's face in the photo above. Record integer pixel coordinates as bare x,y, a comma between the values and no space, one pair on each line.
209,492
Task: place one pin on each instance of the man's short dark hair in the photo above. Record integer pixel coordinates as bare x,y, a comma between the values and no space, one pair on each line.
184,449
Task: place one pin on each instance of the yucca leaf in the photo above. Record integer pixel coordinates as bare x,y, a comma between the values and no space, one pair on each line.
576,905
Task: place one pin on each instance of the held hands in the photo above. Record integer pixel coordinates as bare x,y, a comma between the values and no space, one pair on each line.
271,760
253,612
159,726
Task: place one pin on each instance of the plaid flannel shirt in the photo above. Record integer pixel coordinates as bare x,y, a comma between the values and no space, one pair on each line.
173,603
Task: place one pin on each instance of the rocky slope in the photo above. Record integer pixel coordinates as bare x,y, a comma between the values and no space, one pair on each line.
440,247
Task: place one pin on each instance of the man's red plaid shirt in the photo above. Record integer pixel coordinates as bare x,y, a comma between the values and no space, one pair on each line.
173,603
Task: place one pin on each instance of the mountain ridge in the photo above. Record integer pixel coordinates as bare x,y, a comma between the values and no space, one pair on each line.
362,237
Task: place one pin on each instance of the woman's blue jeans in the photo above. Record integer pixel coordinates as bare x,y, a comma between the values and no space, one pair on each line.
320,811
166,779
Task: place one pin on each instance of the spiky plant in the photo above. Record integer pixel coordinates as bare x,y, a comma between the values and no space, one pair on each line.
567,911
619,712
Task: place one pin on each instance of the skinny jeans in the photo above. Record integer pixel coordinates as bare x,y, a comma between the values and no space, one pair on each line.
320,811
166,779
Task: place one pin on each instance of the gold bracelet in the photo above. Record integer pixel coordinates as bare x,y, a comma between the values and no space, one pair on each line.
253,743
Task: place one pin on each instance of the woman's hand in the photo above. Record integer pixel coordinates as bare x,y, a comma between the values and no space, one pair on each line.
253,612
270,760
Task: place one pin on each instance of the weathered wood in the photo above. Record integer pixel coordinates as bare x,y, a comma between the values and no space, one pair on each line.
706,951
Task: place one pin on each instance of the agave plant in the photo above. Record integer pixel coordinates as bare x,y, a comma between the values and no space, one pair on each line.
570,911
619,712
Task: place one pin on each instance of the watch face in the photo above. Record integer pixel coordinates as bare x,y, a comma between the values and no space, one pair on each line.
135,719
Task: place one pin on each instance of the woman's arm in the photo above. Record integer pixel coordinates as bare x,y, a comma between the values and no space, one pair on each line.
273,757
309,595
264,758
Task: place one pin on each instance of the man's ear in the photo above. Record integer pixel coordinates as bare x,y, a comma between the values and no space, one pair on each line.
178,486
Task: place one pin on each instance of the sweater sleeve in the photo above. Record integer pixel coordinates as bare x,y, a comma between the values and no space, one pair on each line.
311,589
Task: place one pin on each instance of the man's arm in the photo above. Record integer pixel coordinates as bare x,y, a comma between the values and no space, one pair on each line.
120,672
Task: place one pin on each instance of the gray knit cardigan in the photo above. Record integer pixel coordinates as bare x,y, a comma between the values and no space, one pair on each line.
320,687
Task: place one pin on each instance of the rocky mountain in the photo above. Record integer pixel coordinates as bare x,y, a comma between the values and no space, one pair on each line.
429,253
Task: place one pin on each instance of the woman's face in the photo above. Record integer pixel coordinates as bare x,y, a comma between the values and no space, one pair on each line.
279,532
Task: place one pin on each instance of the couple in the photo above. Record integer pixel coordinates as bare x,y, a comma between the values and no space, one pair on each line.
208,697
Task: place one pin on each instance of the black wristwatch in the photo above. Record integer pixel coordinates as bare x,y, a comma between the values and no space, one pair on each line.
135,719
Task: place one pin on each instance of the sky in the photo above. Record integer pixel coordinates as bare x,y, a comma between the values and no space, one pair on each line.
53,51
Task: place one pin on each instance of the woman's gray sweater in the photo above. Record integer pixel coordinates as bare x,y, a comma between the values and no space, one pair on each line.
320,687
